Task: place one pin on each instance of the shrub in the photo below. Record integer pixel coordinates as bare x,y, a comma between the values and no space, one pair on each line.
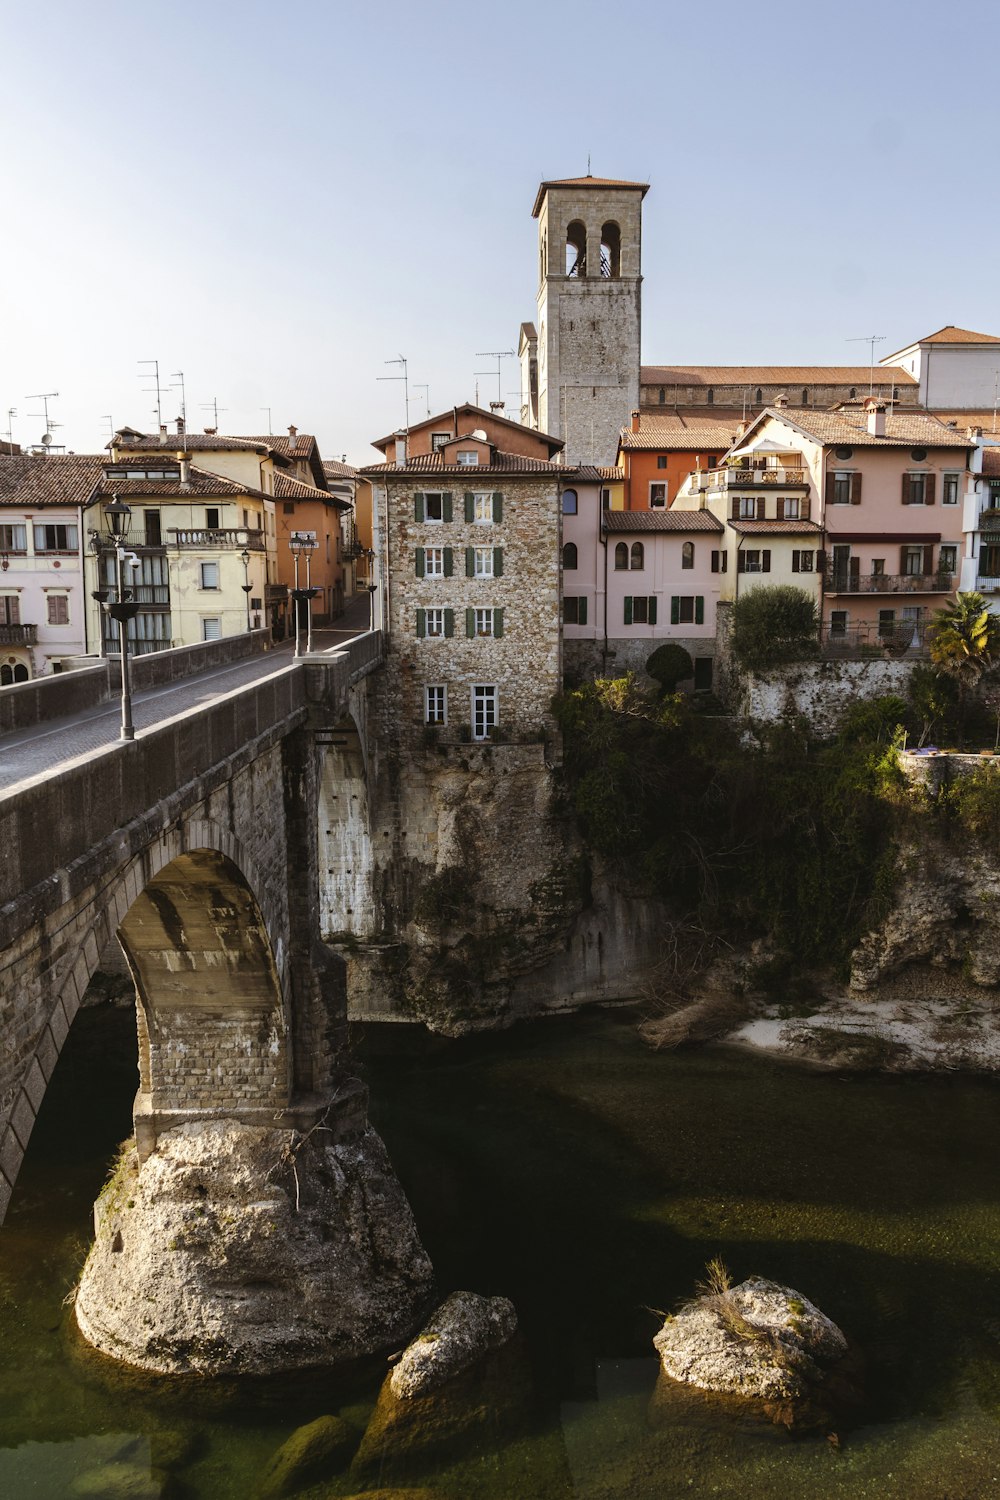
874,722
669,665
774,625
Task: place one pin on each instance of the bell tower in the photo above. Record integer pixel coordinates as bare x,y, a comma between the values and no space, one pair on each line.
589,283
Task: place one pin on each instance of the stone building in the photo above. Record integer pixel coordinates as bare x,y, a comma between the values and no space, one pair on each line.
468,539
580,370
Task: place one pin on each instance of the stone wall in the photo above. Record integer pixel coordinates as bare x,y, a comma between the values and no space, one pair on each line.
586,659
820,692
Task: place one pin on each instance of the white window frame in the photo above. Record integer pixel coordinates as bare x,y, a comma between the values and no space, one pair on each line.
18,545
433,562
842,479
437,497
757,565
950,477
206,622
948,547
482,507
746,508
488,695
657,502
791,508
437,688
434,623
484,622
208,587
482,562
467,458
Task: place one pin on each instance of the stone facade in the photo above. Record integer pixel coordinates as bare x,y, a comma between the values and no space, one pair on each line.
521,660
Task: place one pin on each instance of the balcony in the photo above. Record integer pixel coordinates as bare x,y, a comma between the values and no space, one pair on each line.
989,520
985,584
18,635
228,536
741,477
837,581
900,638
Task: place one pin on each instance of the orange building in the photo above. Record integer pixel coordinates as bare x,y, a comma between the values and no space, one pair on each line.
657,452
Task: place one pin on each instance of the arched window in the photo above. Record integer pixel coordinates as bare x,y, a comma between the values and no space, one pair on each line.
621,556
6,676
611,251
853,393
576,249
711,396
805,395
569,502
663,395
9,674
543,255
569,555
758,397
687,555
638,556
20,673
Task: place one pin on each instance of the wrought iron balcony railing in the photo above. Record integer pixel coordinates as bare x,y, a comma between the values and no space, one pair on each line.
841,581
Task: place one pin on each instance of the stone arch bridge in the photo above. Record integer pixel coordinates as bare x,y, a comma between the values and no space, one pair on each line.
196,844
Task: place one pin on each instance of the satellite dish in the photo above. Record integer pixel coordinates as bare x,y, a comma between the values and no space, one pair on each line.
46,439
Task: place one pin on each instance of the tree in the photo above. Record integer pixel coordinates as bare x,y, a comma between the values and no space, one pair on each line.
669,665
772,625
965,644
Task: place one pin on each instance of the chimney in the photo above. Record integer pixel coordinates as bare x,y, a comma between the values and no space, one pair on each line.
875,413
973,434
185,469
163,433
741,428
293,433
211,431
635,421
401,450
780,401
180,426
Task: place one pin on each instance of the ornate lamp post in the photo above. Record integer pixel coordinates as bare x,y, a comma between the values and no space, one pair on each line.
246,585
303,544
125,607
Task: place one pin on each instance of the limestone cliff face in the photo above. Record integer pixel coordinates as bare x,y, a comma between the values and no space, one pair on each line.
945,917
484,904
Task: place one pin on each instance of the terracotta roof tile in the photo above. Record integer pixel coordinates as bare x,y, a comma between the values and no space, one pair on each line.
186,442
743,375
598,474
661,520
949,334
336,470
902,429
672,430
502,463
776,528
61,479
991,462
201,483
303,447
584,182
287,488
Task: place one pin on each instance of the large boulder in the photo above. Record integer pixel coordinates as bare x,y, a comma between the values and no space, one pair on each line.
759,1341
317,1451
238,1249
462,1330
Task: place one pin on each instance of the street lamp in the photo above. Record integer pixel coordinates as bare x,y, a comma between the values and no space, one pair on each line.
303,544
371,586
125,607
246,584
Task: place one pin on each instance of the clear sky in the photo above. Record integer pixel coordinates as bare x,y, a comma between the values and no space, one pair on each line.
276,199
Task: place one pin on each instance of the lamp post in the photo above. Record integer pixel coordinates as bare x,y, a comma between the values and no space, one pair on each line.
125,607
246,584
303,544
371,587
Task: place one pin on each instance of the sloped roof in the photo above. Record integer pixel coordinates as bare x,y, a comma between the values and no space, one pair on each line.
949,334
584,182
301,447
287,488
660,520
432,465
598,474
129,441
32,482
672,430
775,528
201,482
991,462
451,415
902,429
334,469
743,375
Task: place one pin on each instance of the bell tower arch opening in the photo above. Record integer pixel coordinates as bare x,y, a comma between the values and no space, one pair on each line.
611,252
576,249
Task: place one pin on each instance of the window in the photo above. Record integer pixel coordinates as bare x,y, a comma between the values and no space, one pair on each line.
605,499
483,562
878,567
575,610
838,622
569,502
687,555
153,535
484,508
433,562
702,674
989,561
17,673
754,561
467,458
758,396
211,630
915,489
288,508
13,538
746,509
886,621
484,712
663,395
435,705
209,577
918,455
805,395
640,609
433,506
483,621
710,397
802,562
711,462
720,562
657,496
212,519
638,556
841,487
949,493
58,608
576,249
791,507
438,440
10,609
687,609
621,556
611,251
434,622
570,557
948,558
55,538
913,561
661,461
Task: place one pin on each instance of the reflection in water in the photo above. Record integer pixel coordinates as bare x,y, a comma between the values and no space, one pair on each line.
590,1180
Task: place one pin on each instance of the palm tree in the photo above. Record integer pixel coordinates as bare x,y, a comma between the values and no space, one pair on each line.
965,644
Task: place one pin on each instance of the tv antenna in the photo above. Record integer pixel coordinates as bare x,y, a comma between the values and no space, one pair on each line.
45,397
427,395
178,375
107,417
11,414
498,355
406,392
873,339
214,407
154,374
268,410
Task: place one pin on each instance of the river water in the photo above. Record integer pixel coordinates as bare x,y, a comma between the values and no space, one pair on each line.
567,1167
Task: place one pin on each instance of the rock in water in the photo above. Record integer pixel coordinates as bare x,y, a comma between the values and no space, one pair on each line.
758,1340
217,1257
464,1329
314,1452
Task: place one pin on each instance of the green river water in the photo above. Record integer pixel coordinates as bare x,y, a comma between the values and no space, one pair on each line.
567,1167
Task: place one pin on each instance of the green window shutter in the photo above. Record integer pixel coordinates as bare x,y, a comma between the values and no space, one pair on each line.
470,623
449,562
420,562
418,506
498,622
651,614
446,506
675,609
497,562
581,612
470,562
421,623
497,506
470,506
699,610
628,609
449,623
